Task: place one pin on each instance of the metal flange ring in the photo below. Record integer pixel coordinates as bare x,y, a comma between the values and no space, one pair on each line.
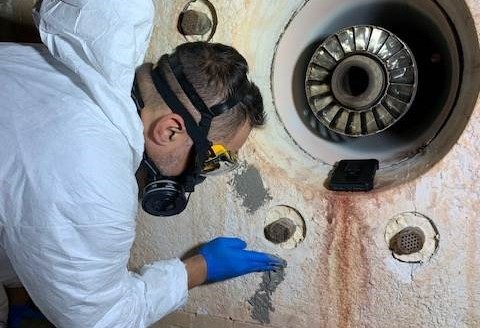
361,80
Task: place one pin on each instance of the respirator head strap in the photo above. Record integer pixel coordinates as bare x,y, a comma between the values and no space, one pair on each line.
176,106
198,135
136,96
152,169
237,96
232,101
206,114
187,87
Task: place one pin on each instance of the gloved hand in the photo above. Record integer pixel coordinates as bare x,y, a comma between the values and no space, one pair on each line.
227,258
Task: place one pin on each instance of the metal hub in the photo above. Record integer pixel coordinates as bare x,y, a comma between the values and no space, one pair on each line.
361,81
358,82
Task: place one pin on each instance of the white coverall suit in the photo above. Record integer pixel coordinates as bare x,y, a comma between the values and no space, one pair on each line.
71,141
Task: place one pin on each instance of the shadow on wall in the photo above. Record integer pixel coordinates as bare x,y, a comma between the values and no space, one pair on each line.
11,31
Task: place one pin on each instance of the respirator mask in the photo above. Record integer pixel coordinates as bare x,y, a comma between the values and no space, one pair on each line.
166,196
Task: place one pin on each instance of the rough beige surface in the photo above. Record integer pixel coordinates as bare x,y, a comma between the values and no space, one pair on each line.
177,320
188,320
343,274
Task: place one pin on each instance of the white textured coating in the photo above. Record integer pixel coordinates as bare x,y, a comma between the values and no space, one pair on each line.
342,274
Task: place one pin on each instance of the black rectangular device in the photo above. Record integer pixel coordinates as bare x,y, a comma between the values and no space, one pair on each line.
353,175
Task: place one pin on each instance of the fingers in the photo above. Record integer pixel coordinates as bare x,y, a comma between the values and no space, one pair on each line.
265,258
278,261
262,267
231,242
259,262
252,256
227,257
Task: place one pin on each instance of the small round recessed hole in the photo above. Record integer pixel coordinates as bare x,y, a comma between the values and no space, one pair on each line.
280,231
284,226
198,21
194,23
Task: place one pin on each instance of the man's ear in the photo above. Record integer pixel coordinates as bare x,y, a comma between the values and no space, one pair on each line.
167,129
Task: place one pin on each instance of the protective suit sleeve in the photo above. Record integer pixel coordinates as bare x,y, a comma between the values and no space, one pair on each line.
78,277
70,243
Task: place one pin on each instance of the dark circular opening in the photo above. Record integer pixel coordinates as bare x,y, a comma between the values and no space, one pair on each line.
355,81
280,231
437,71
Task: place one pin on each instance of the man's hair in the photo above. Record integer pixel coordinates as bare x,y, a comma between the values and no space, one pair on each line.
217,71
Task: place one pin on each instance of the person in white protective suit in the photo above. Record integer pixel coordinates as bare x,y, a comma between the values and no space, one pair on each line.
72,141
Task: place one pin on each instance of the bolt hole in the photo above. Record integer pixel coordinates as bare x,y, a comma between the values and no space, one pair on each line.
280,231
198,21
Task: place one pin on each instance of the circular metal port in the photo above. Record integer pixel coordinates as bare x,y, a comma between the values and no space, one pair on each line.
430,110
361,80
358,83
412,237
408,241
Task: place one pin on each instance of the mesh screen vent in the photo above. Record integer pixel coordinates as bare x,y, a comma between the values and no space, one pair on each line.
408,241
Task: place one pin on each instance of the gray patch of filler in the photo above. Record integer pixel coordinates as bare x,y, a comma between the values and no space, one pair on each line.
261,302
250,188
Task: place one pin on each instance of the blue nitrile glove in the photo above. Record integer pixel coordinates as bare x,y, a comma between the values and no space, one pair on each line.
227,258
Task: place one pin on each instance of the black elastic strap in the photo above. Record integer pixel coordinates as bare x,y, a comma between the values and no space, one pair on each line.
237,96
200,141
153,171
177,107
186,86
198,135
191,93
231,102
137,96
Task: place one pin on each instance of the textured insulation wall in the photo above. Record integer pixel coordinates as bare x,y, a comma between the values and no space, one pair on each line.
343,274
